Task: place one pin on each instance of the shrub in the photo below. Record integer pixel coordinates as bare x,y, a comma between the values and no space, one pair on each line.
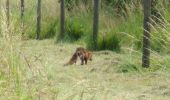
109,41
130,63
48,30
74,30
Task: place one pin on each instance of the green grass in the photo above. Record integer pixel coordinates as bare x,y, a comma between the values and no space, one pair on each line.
31,69
41,74
79,24
49,21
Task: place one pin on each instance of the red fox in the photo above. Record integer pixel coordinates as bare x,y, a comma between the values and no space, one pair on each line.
83,54
72,60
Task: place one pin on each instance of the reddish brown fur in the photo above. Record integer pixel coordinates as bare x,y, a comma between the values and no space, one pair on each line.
72,60
83,54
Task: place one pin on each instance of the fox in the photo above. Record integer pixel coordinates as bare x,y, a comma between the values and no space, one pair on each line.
72,60
83,54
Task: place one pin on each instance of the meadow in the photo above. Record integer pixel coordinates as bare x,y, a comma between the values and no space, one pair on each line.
33,69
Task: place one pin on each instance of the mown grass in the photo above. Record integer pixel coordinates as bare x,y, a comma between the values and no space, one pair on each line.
33,69
109,76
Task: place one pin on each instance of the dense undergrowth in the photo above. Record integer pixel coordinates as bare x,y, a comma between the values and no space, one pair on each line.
120,23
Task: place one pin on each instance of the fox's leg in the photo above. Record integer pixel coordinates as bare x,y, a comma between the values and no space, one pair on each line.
85,59
75,61
82,61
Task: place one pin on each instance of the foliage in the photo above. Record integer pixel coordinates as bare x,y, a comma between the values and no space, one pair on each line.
107,41
122,7
79,23
74,29
70,4
34,69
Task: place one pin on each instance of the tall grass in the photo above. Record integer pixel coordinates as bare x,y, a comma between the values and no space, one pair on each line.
50,17
10,58
21,78
124,34
115,32
79,22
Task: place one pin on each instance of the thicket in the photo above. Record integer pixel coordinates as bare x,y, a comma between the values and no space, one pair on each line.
121,23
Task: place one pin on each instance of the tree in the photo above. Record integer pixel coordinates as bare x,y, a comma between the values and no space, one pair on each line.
7,12
95,23
38,29
62,19
22,15
146,34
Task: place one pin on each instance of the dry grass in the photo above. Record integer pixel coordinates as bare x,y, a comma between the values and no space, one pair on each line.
42,76
34,70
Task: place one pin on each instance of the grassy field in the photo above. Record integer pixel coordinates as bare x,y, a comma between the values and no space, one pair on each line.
31,70
40,74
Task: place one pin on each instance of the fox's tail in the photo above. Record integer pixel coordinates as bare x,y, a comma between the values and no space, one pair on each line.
66,64
69,63
72,60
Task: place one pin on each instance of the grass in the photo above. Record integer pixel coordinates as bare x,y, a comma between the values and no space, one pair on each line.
79,24
31,69
49,21
43,76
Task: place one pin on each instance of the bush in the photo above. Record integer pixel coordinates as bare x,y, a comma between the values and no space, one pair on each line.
109,41
74,30
48,30
130,63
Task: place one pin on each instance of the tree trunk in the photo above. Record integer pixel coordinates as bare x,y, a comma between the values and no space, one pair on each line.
7,12
38,30
62,19
95,23
146,34
22,16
